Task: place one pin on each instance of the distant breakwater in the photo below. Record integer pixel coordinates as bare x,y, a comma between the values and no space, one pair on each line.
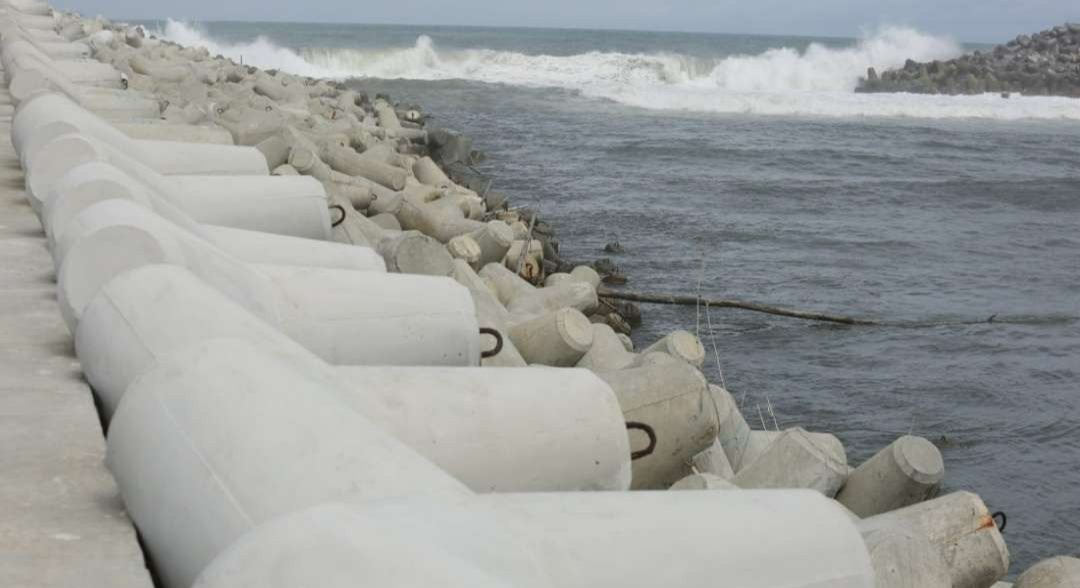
1044,64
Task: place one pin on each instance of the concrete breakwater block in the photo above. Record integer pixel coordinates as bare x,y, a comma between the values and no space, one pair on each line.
65,152
212,441
906,472
292,206
103,183
1056,572
557,540
40,120
523,299
20,54
495,430
490,314
961,528
673,400
607,351
346,317
793,460
558,339
680,345
903,557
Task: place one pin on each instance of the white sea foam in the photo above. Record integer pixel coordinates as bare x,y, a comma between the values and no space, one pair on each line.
817,81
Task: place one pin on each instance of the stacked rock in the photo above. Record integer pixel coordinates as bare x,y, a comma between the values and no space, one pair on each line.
289,299
1043,64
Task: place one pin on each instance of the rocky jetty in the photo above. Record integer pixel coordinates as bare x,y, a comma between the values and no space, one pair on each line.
1043,64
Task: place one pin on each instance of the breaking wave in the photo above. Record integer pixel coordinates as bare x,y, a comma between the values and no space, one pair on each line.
818,80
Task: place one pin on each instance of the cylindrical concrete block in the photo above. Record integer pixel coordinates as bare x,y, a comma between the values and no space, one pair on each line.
333,545
464,247
297,209
195,474
410,252
490,314
960,526
508,285
266,248
1056,572
557,278
347,161
78,190
439,222
584,273
703,482
494,240
794,461
905,558
64,153
680,345
526,258
538,540
558,339
346,317
161,131
502,430
294,206
387,116
429,173
906,472
482,426
366,318
166,157
607,352
672,399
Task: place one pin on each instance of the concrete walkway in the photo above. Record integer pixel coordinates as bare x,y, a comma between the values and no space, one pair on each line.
62,523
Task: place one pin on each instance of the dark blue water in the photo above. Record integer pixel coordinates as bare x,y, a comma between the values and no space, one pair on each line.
895,207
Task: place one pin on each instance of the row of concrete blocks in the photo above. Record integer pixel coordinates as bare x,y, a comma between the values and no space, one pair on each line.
238,448
900,456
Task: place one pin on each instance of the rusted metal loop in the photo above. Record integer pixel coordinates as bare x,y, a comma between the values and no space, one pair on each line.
498,342
632,426
343,214
1004,520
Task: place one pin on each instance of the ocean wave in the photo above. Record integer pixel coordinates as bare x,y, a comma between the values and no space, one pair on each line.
817,81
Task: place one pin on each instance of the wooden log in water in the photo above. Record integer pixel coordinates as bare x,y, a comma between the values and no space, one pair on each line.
674,299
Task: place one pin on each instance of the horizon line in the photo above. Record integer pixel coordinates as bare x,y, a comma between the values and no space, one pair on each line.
537,28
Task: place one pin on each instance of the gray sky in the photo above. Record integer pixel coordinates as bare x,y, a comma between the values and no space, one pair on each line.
966,20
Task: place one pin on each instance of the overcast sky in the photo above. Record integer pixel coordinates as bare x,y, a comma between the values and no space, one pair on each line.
966,20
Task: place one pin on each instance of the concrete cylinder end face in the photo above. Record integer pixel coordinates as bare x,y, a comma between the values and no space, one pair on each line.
42,135
421,255
501,233
919,459
96,259
54,160
687,347
575,329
